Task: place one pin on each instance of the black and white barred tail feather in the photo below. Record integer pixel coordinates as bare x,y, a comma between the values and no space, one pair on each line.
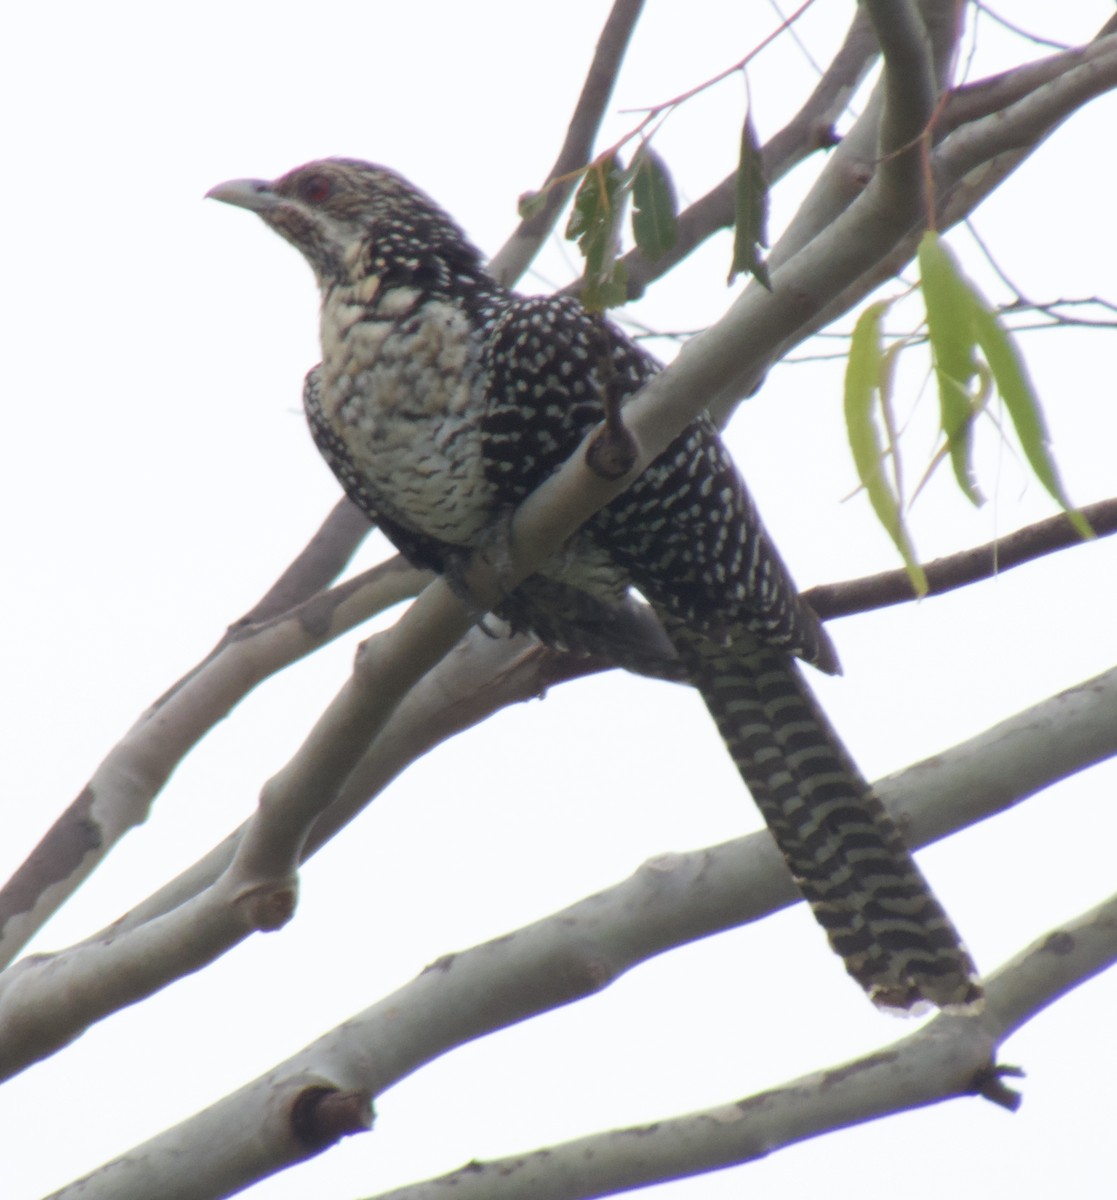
842,848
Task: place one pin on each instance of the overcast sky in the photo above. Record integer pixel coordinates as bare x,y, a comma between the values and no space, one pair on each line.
155,476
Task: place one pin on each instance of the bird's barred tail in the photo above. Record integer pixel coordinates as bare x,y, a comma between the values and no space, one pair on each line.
842,847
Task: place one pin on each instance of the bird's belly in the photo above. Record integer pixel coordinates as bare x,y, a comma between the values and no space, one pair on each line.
427,474
399,400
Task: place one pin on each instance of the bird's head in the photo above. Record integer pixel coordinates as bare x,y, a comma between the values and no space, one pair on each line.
352,218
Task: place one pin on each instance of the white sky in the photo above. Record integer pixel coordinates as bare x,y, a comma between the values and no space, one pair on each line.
156,476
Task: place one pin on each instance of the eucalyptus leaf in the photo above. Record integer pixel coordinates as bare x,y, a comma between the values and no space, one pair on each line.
654,205
750,225
1020,399
950,328
867,376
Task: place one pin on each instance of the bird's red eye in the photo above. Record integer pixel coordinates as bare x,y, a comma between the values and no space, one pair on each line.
316,189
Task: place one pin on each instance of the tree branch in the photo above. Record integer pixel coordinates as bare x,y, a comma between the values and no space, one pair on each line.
48,1001
967,166
949,1058
514,257
485,675
946,574
577,952
910,92
984,97
715,368
1014,132
120,792
316,566
126,783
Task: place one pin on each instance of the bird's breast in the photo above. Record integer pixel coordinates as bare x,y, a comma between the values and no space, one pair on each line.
400,390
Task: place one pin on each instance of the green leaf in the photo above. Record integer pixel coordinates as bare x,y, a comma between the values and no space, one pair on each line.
750,226
960,321
595,224
1020,399
950,326
868,374
887,388
653,205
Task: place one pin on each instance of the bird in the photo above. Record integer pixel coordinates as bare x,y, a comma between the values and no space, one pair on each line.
444,398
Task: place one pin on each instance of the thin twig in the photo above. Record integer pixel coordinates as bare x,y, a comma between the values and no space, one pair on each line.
1019,30
946,574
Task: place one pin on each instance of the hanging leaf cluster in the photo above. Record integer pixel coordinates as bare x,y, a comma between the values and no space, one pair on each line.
603,196
973,357
598,215
973,353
